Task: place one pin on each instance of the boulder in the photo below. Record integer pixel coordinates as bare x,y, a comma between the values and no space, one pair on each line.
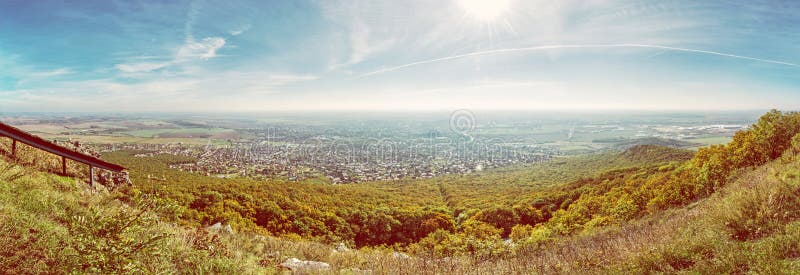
400,255
341,247
355,271
295,264
219,228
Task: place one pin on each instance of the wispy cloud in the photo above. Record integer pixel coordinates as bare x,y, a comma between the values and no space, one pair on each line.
190,49
195,7
240,30
209,91
56,72
585,46
141,67
205,49
365,34
28,75
361,45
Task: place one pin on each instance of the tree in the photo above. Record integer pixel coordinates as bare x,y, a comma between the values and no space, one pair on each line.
499,217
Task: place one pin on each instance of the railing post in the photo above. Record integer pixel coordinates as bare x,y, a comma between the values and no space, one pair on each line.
91,175
13,147
63,165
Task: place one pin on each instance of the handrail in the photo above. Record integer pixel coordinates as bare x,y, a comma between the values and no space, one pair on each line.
29,139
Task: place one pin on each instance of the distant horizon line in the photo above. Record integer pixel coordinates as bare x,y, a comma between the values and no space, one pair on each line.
299,111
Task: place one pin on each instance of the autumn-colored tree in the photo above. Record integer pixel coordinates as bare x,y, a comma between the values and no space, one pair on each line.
499,217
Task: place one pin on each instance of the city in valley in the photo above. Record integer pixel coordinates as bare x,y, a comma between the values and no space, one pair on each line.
346,148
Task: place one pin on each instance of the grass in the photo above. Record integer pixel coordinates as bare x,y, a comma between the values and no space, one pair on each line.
751,226
54,224
152,133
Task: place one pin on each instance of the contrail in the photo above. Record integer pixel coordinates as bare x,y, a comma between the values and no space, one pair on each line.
578,46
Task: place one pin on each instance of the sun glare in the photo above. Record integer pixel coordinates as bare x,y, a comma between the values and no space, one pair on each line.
484,10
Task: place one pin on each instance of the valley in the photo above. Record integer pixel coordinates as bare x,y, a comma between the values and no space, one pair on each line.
492,218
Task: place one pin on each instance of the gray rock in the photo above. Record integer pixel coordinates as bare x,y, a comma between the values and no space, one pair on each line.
218,227
295,264
355,271
400,255
341,247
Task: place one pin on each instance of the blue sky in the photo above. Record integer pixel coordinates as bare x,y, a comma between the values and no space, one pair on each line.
255,56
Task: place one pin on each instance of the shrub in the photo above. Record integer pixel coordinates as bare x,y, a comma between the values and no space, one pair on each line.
10,172
759,213
111,240
521,232
793,152
211,243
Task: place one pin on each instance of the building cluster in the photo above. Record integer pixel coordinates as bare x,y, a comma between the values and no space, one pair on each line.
358,161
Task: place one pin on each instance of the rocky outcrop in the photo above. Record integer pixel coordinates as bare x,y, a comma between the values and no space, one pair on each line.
400,255
295,264
219,228
341,247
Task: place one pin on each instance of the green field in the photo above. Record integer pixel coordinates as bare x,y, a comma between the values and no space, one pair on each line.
182,132
712,140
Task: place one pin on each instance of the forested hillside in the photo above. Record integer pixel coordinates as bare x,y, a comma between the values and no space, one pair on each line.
378,213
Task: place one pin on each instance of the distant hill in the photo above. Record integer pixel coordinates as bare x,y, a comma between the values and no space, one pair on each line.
624,144
649,153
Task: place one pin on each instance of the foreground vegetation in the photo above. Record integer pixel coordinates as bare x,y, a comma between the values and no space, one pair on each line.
731,208
54,224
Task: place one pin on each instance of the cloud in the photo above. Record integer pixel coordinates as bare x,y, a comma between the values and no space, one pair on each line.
141,67
56,72
361,45
289,78
205,49
240,30
203,91
585,46
363,28
191,16
188,51
28,75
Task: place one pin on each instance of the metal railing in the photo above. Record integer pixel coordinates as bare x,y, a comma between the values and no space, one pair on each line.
18,135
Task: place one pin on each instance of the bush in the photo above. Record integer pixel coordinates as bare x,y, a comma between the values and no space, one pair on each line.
759,213
793,152
111,240
10,172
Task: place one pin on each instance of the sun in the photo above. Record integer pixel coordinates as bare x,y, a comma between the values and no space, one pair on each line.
484,10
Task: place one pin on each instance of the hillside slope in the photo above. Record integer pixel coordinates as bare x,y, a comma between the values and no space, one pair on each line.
53,224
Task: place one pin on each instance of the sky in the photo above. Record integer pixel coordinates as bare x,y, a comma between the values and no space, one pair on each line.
261,56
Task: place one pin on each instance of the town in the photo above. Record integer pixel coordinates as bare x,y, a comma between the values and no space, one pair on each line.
343,159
